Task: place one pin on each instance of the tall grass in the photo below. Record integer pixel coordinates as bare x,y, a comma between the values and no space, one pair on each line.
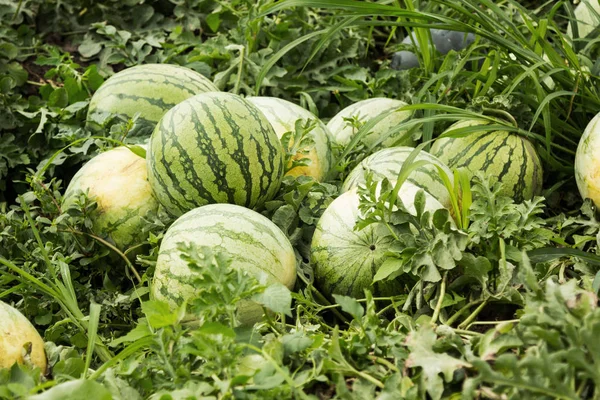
517,53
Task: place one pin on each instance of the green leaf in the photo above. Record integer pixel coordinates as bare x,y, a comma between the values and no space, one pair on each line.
138,150
80,389
213,21
432,364
390,266
159,314
215,328
140,331
9,50
296,342
73,367
59,98
89,48
350,305
548,254
276,297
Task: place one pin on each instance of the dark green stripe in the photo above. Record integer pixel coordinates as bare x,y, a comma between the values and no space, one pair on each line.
463,158
491,155
275,170
522,184
164,164
181,82
506,167
204,196
218,166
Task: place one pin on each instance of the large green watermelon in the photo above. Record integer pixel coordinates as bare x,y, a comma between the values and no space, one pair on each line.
386,163
15,332
282,115
501,155
345,260
150,89
365,110
118,181
587,162
214,148
254,244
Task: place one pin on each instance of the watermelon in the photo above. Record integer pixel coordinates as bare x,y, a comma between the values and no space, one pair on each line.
587,16
15,333
364,111
345,260
151,90
282,115
501,155
587,162
118,181
386,163
254,244
214,148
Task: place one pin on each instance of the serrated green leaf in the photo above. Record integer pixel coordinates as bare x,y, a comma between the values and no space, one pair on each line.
276,297
350,305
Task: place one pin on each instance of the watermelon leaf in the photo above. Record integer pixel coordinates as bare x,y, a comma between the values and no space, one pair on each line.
276,297
350,305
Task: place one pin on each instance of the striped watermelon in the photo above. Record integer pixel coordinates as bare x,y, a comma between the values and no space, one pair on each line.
502,156
118,181
365,110
151,90
345,260
254,243
386,163
282,115
15,332
587,162
214,148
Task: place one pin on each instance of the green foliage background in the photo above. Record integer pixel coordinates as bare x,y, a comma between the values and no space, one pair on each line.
516,316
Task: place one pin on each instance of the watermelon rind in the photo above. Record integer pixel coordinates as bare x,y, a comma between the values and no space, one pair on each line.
345,259
386,163
15,332
214,148
366,110
502,156
150,90
252,242
117,180
587,18
282,115
587,162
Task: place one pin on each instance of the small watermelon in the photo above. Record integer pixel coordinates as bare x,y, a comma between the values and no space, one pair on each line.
282,115
587,162
16,332
118,181
214,148
150,89
345,260
364,111
386,163
501,155
254,244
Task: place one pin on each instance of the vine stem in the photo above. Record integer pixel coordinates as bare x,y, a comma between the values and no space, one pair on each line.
238,81
495,322
113,248
323,300
290,381
454,317
440,301
473,315
384,362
